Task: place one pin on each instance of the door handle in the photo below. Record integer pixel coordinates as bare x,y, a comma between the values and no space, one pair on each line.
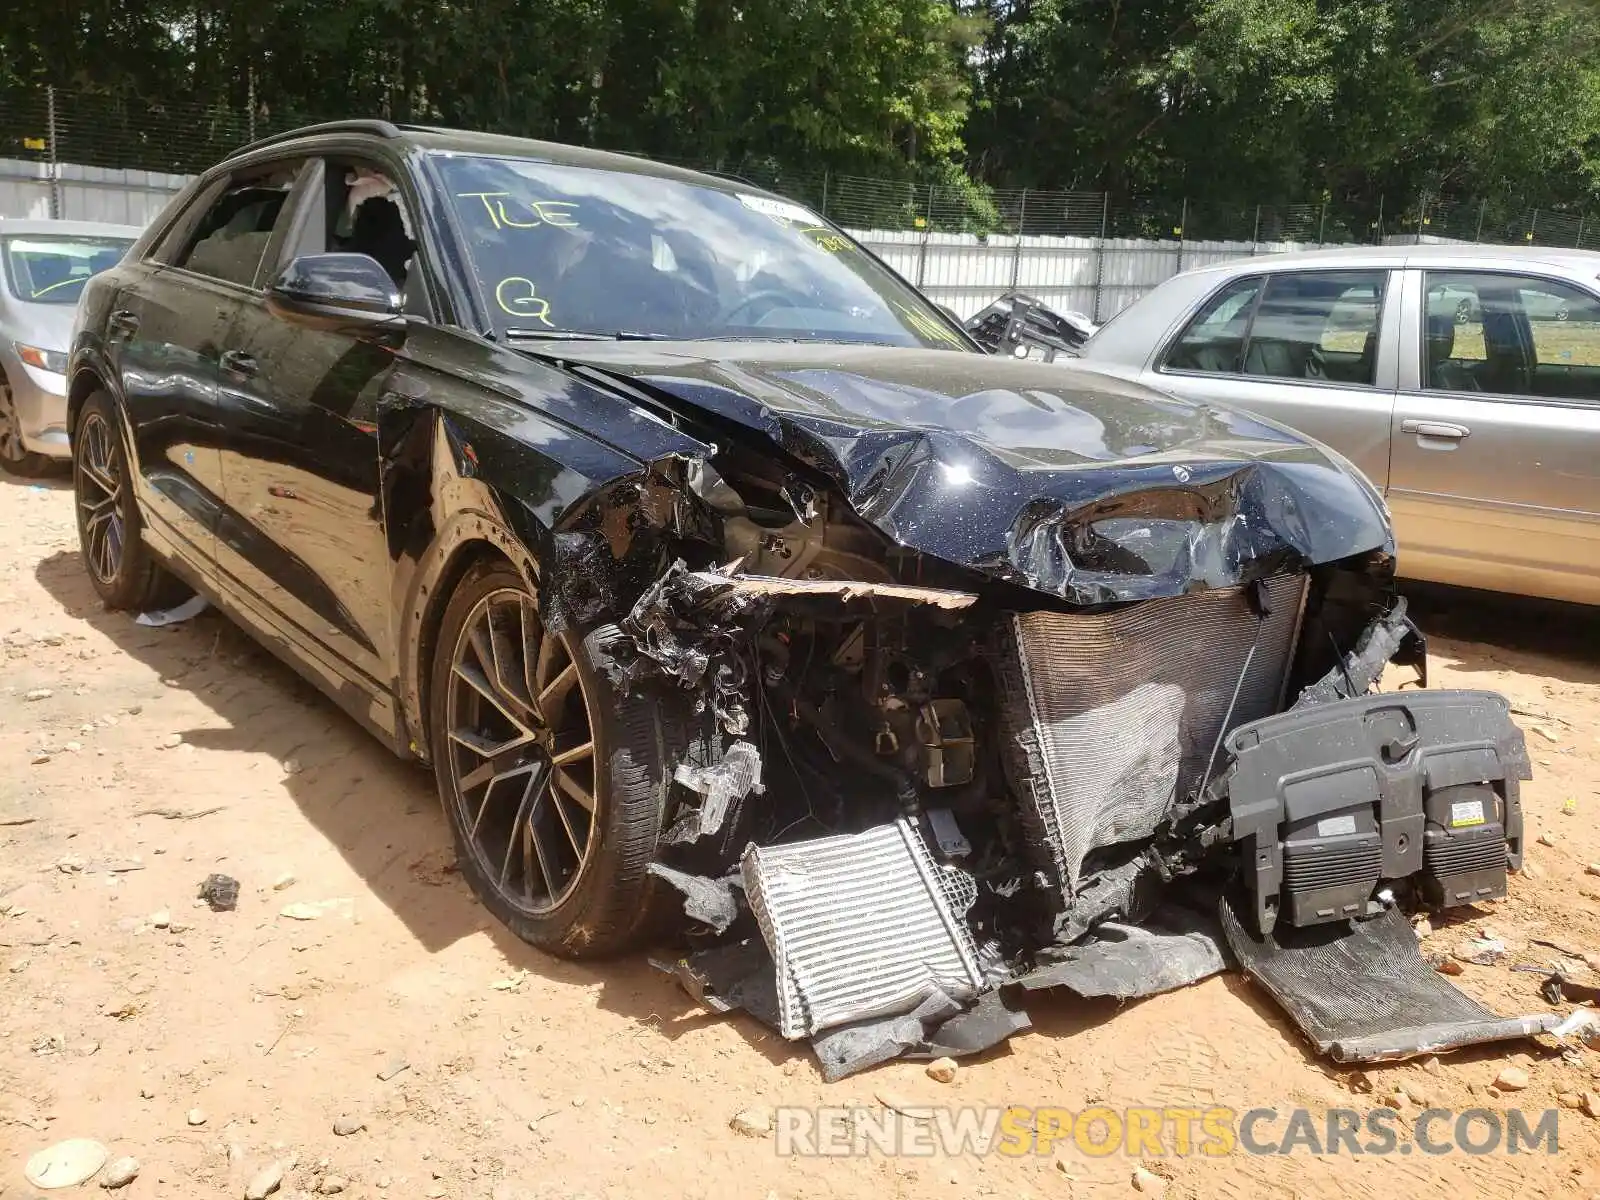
123,324
238,362
1436,429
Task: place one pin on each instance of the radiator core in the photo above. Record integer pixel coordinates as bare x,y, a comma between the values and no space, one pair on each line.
1108,718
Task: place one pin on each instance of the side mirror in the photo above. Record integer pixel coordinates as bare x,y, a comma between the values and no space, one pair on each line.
345,292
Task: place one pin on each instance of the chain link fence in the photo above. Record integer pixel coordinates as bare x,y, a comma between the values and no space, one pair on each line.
56,126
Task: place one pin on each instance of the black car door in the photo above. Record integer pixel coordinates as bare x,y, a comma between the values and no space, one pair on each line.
304,530
166,333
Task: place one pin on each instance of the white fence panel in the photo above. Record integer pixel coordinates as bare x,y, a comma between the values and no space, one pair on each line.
83,193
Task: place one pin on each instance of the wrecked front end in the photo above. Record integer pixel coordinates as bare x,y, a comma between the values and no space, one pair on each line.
1105,740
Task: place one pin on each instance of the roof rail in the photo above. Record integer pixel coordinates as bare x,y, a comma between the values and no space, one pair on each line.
383,129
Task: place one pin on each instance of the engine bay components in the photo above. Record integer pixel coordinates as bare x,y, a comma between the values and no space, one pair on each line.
945,802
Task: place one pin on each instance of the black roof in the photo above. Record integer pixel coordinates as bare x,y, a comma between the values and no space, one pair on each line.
463,141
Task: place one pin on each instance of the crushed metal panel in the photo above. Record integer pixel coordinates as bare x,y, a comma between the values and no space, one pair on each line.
1361,992
861,925
1109,717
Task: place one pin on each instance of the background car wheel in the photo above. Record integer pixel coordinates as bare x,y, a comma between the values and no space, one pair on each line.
1463,311
14,456
120,565
555,783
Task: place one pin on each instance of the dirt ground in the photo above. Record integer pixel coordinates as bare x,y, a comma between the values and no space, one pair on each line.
134,762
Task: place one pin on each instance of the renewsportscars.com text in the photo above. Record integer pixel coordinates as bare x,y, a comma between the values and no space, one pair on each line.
1139,1132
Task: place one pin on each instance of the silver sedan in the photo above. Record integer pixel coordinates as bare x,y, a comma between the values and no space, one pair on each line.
43,267
1464,381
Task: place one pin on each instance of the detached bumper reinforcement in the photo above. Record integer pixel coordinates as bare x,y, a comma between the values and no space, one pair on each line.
1361,992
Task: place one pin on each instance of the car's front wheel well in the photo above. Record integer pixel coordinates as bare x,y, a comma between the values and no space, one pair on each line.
462,559
84,384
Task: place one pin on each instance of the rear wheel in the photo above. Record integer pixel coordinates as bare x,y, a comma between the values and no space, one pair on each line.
15,457
554,782
120,565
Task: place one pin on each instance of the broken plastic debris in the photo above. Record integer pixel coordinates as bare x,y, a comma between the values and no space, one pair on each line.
188,610
709,901
221,892
731,780
1128,962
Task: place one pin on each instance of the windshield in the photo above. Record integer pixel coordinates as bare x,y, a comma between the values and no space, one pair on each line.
578,250
49,269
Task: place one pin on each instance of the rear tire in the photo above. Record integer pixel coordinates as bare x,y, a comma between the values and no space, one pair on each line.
16,458
556,852
120,566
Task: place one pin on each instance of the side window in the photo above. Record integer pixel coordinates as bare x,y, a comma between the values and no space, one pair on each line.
1214,340
1320,325
232,237
363,211
1516,335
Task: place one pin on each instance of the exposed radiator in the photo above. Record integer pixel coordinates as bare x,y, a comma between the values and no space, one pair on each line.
861,925
1109,717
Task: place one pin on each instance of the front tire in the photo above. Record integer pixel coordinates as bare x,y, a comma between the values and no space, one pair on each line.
555,783
121,568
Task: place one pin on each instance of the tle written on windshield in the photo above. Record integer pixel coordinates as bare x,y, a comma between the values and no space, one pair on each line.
563,249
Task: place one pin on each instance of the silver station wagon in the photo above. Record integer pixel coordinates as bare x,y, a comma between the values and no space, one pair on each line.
1464,381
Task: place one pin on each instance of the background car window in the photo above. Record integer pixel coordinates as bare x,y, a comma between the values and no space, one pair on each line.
47,269
1317,325
232,237
1214,340
1511,335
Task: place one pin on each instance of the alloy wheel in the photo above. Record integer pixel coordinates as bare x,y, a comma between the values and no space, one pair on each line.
11,447
521,753
100,497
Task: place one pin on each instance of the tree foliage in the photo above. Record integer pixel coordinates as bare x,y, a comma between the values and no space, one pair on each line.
1222,101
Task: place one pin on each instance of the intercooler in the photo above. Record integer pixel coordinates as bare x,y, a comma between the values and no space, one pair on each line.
1110,717
861,925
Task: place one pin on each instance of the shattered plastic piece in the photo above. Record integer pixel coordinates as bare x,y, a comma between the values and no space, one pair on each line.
851,1048
1128,962
221,892
1380,644
987,1023
722,785
1128,892
937,1028
1361,992
861,925
738,975
710,901
188,610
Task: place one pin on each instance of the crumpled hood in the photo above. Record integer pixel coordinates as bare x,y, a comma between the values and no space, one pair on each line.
1077,484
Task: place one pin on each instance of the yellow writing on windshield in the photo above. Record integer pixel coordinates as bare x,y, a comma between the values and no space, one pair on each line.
828,239
544,212
927,326
519,297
